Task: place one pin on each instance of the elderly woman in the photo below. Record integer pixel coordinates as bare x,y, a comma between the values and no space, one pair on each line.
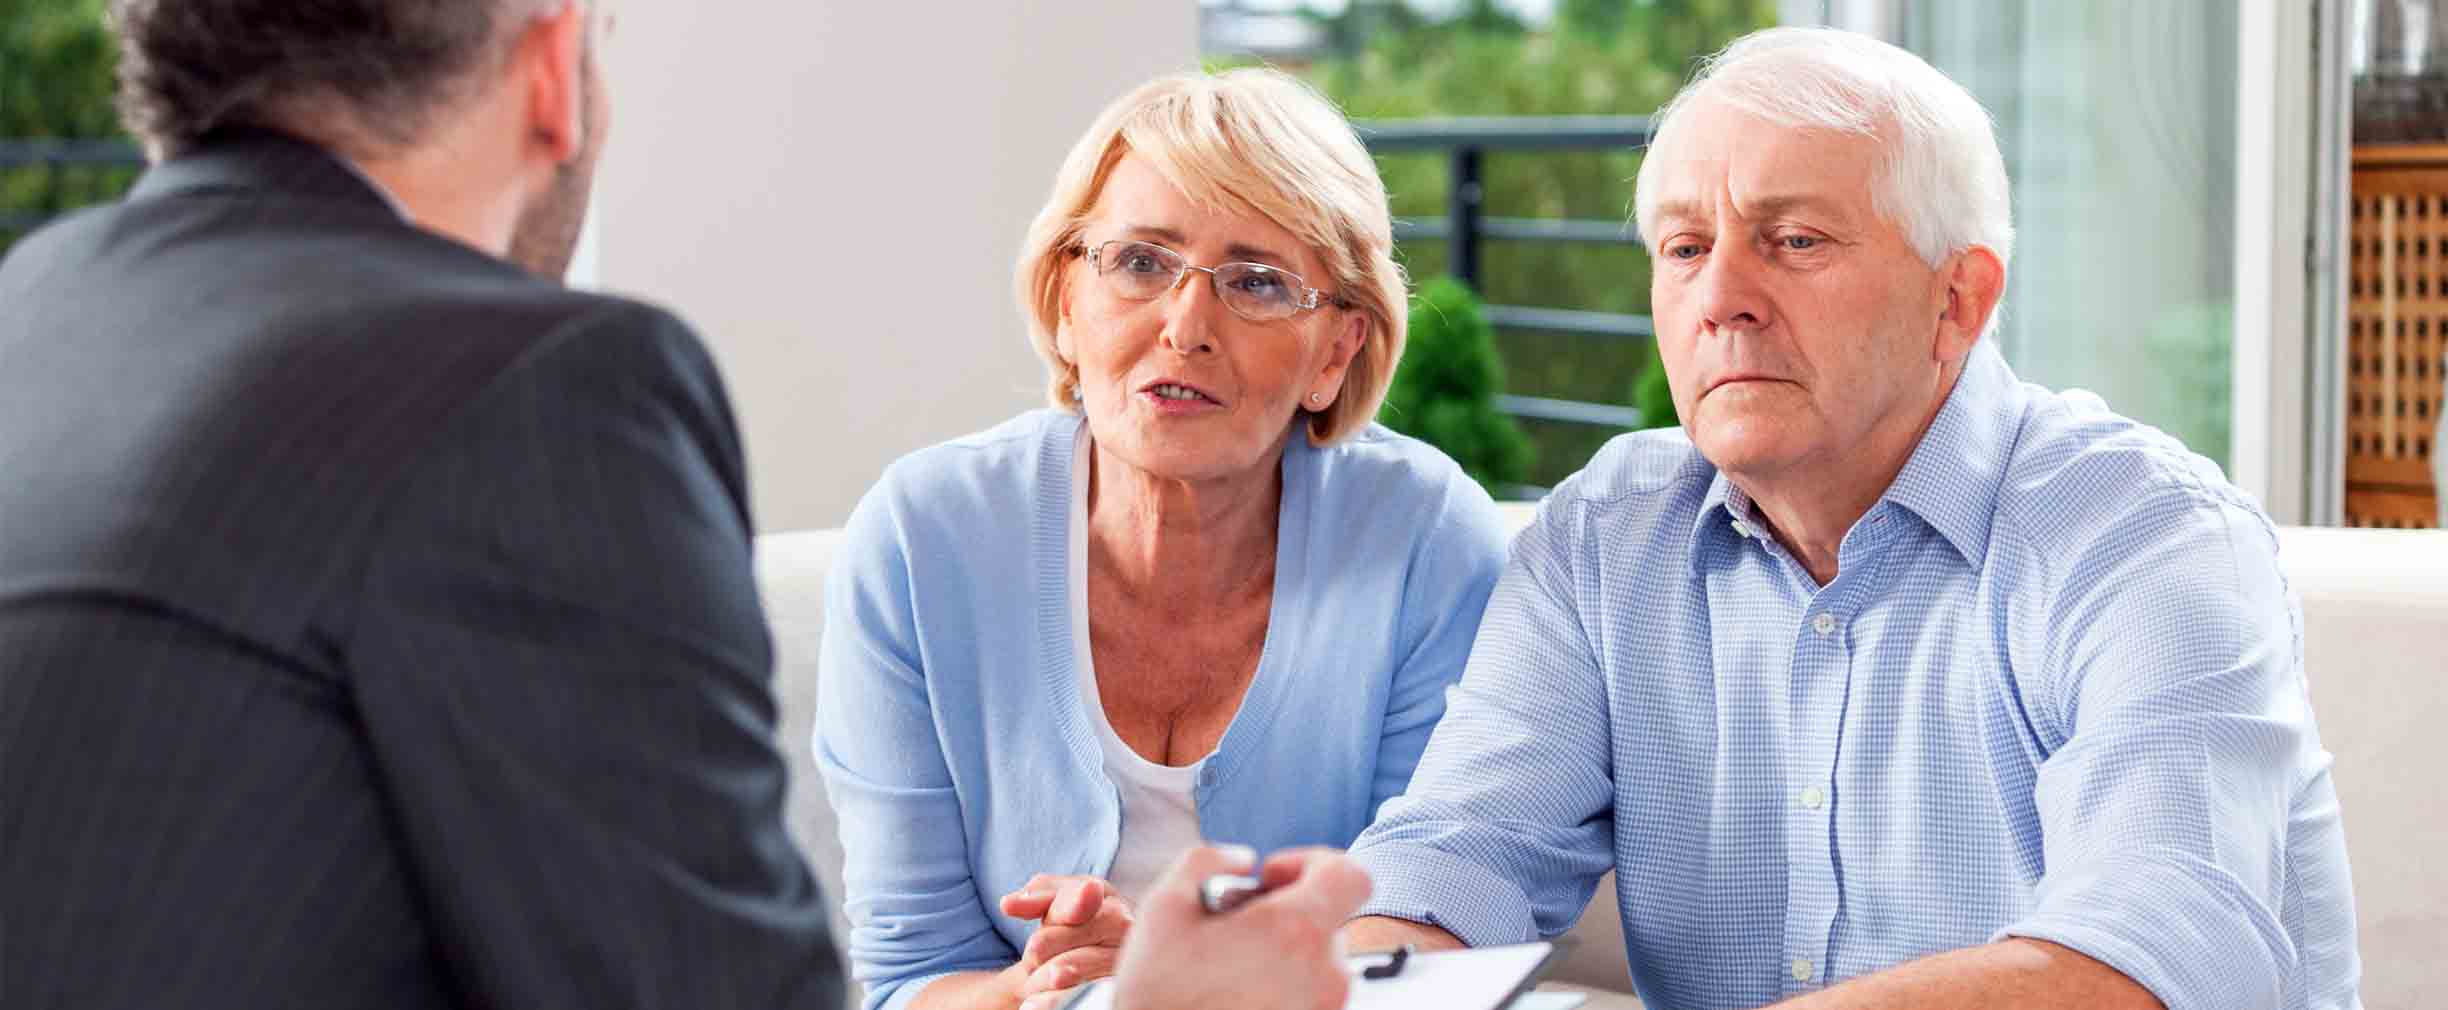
1203,597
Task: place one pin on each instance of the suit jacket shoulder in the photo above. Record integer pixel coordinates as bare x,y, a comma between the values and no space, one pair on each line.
376,624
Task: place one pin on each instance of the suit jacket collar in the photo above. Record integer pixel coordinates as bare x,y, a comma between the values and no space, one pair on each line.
264,161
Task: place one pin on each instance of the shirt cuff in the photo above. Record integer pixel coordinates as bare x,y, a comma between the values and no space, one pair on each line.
1428,885
2191,935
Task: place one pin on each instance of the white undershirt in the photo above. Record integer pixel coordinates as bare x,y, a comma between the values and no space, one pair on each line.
1159,807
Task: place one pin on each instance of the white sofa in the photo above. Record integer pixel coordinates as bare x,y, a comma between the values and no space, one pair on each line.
2376,644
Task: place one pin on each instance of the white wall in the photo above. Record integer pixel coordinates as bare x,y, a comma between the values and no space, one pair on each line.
833,193
2274,206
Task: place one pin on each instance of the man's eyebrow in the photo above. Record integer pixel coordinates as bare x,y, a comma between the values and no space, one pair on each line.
1776,205
1789,203
1680,209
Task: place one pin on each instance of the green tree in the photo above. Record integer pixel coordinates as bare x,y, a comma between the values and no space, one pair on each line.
2196,340
1654,397
1598,57
56,59
1445,390
56,64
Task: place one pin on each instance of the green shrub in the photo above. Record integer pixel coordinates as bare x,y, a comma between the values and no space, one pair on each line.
1445,390
1653,396
1596,57
56,59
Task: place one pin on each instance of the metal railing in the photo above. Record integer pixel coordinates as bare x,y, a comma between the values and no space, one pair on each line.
105,165
72,173
1465,228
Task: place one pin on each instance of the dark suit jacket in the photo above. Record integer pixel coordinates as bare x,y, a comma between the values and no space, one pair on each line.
377,626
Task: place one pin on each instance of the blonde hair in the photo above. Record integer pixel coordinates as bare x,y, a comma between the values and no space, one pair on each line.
1250,140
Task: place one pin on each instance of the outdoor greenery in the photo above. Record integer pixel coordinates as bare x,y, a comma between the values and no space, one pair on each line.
1445,390
55,69
56,60
1598,57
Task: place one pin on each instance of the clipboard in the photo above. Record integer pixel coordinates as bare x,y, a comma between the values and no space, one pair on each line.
1478,978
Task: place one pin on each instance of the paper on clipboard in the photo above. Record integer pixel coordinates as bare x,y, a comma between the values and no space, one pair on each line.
1481,978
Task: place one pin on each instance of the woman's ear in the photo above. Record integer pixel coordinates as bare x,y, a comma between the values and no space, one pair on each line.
1349,338
1062,314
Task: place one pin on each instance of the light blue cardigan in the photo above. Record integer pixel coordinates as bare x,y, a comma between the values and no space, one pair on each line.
952,737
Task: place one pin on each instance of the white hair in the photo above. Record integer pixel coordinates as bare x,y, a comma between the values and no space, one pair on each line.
1945,180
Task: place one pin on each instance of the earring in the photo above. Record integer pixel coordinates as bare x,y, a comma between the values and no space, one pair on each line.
1317,399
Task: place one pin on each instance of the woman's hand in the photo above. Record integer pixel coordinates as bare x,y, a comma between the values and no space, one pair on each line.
1079,936
1276,950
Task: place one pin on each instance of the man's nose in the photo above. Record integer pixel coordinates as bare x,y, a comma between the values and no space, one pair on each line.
1732,295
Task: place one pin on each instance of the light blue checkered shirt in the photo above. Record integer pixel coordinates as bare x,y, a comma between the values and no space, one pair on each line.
2055,691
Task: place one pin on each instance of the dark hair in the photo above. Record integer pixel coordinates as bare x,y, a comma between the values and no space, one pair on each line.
346,73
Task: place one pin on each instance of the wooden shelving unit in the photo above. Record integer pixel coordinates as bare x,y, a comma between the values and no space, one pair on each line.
2396,333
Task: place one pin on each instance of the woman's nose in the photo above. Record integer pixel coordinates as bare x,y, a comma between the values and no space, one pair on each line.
1190,309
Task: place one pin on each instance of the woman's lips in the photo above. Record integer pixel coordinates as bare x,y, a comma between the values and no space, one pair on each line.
1175,398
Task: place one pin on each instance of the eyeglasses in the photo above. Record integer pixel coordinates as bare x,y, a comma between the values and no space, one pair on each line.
1144,271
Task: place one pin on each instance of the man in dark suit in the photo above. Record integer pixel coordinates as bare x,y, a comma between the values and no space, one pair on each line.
376,618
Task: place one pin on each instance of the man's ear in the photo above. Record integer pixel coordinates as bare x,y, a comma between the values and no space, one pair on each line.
1975,281
550,57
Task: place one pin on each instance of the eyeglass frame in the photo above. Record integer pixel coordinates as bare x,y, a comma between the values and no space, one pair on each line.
1310,300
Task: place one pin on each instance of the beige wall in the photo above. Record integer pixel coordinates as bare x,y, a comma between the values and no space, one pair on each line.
834,193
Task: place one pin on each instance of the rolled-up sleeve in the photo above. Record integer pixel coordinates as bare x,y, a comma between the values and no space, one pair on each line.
1506,826
914,909
2174,668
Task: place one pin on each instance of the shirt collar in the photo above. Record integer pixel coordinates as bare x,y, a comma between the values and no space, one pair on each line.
1950,482
1952,479
1720,509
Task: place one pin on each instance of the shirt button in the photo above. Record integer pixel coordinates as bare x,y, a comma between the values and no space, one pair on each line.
1803,970
1824,624
1742,529
1813,797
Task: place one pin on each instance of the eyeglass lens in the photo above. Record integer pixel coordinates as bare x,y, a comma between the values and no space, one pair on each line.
1141,271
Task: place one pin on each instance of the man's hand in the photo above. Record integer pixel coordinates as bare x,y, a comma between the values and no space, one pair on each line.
1279,949
1079,936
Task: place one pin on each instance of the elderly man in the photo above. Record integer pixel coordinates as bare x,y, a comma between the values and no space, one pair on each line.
1890,681
377,628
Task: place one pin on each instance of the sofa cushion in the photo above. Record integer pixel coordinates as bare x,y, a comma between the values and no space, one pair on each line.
2376,651
791,571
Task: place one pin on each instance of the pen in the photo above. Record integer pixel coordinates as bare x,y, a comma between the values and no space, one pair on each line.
1223,892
